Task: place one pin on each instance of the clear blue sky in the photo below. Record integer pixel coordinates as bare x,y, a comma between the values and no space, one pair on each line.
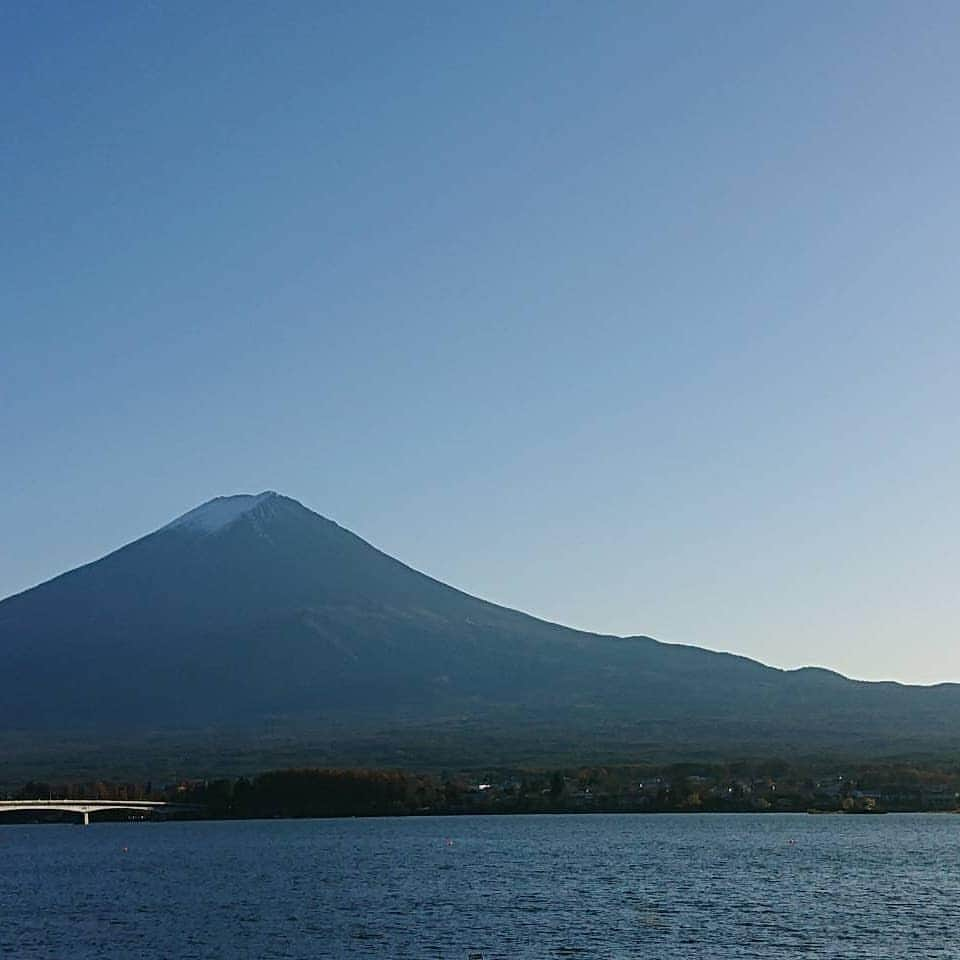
639,317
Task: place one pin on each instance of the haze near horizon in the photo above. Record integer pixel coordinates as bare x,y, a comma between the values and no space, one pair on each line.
638,320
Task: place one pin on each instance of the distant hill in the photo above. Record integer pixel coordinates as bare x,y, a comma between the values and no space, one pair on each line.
252,620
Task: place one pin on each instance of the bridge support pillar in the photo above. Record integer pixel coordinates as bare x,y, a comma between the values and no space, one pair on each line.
86,819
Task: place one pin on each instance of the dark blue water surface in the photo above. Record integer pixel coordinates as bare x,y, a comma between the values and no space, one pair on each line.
512,887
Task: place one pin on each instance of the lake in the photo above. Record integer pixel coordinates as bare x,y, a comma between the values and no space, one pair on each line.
677,886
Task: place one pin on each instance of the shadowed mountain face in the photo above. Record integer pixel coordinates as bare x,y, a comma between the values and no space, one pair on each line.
254,607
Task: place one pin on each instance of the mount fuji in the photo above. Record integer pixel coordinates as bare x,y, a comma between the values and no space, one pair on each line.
254,609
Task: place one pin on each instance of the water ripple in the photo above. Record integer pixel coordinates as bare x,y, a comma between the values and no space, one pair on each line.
723,887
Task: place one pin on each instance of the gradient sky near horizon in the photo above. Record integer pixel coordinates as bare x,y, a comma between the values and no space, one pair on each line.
638,317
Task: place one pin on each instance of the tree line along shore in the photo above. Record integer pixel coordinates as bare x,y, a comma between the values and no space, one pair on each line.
743,786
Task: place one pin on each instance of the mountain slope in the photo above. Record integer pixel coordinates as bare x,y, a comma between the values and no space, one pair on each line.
252,607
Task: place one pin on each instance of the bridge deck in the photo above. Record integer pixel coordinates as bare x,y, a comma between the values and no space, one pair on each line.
86,807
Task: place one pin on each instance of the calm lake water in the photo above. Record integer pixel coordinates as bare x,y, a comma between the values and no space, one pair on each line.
509,887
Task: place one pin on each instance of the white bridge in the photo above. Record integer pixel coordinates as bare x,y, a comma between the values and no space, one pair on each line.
86,807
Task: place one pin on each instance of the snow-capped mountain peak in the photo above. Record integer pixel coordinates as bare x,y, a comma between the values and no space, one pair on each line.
220,512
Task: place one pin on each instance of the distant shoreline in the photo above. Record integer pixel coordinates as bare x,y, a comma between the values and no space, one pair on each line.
753,788
11,820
